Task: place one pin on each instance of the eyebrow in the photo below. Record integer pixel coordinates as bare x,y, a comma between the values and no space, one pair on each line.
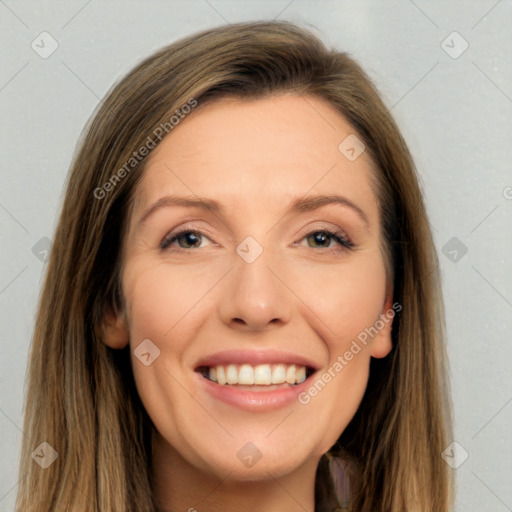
299,205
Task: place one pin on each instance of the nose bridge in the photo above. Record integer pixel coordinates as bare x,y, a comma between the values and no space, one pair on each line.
255,297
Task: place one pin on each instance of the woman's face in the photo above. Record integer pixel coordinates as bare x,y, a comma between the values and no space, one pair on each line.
254,285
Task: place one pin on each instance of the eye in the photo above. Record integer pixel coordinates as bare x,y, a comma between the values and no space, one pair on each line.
321,239
186,238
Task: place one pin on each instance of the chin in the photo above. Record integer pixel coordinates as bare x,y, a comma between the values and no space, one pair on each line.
249,464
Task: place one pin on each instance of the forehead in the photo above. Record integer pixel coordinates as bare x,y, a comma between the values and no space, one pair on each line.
255,152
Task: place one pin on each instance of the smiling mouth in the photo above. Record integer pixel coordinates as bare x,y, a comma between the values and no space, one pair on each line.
258,375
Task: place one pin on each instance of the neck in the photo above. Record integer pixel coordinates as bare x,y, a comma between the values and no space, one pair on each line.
181,487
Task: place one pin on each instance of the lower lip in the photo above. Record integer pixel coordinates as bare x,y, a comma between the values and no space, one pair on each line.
254,400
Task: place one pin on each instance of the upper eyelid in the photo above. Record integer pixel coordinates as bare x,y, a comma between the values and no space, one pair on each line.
185,228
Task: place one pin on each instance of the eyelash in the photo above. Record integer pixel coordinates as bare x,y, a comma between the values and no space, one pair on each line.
338,236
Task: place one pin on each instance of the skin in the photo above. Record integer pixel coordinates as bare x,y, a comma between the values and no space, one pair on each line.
254,157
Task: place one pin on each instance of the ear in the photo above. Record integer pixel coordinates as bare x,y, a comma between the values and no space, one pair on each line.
382,344
114,330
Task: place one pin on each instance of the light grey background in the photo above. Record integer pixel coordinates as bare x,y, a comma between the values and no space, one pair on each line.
455,113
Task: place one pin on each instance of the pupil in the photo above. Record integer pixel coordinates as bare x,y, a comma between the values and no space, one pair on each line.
320,238
191,239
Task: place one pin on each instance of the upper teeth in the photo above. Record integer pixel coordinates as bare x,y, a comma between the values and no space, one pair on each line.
262,374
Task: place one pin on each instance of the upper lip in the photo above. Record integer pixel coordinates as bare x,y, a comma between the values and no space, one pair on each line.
254,357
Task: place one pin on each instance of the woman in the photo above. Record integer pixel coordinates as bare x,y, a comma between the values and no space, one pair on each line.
242,306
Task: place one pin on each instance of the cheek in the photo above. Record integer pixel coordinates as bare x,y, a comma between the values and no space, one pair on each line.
155,310
167,305
163,301
159,311
341,306
346,300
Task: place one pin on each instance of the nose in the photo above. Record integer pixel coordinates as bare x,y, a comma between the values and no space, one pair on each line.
256,296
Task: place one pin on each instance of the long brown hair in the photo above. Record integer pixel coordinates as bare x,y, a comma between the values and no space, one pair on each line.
81,398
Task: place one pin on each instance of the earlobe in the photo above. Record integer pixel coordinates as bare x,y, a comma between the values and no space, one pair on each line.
114,331
382,343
